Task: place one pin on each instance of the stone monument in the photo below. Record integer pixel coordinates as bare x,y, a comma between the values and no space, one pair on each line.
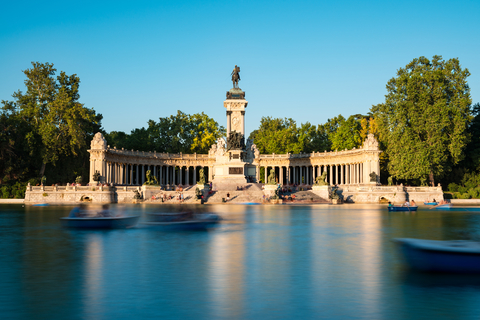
232,155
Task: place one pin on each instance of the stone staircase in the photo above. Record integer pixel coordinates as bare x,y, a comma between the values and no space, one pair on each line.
250,195
252,192
307,197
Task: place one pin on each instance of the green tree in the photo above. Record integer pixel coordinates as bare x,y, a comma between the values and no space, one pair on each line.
178,133
424,118
347,133
277,136
55,119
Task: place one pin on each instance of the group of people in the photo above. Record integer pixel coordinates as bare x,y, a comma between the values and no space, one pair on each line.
410,204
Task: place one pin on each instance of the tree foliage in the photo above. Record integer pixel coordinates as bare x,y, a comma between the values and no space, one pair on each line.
424,118
45,124
277,135
54,118
178,133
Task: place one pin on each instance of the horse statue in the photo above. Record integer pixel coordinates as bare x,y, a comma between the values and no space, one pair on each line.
235,76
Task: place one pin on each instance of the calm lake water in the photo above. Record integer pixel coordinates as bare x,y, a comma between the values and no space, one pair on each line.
262,262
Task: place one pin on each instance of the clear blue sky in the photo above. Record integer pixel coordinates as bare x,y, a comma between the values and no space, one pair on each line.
306,60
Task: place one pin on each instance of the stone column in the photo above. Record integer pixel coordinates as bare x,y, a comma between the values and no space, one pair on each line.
362,172
194,182
331,175
229,120
107,171
117,173
336,174
359,173
120,177
174,182
180,175
347,174
350,179
92,172
210,169
357,179
243,122
131,173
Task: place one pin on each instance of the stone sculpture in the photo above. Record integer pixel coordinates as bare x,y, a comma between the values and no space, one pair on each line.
220,148
322,180
235,76
235,141
271,177
202,177
150,181
370,143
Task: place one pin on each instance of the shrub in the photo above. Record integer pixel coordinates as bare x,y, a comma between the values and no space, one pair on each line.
5,192
452,187
464,196
462,189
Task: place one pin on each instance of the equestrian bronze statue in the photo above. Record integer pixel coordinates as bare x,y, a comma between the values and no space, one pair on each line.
235,76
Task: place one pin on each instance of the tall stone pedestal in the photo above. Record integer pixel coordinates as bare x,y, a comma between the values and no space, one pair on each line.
269,189
229,171
321,191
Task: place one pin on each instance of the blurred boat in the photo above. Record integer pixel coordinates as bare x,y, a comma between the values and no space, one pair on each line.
400,208
40,204
100,222
456,256
430,203
455,208
183,220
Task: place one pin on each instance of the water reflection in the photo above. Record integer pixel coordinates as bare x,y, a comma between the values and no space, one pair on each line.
285,262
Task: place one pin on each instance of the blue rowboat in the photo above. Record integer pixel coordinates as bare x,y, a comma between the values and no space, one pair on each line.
430,203
400,208
100,222
457,256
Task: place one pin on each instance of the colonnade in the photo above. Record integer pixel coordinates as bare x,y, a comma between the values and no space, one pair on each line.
340,174
135,174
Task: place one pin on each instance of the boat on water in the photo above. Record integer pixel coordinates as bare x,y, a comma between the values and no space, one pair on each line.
40,204
183,220
401,208
100,222
80,217
455,256
430,203
449,207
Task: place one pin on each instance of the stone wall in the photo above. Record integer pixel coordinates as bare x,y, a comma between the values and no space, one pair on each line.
124,194
74,194
394,194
